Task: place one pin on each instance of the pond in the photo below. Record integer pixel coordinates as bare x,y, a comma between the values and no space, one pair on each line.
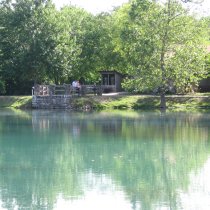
104,161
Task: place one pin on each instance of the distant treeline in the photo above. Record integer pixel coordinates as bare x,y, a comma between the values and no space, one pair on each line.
159,46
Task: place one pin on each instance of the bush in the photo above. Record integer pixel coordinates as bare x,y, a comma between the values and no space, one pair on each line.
2,87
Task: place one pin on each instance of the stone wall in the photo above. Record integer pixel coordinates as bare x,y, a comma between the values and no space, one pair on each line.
52,102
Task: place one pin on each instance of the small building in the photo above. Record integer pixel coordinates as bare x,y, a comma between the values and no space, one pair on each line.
111,81
204,85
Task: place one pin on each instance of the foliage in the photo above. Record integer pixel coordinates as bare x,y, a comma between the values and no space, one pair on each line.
159,45
38,43
165,50
21,51
2,87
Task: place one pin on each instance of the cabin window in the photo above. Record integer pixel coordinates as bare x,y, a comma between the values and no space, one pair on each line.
105,79
108,79
111,79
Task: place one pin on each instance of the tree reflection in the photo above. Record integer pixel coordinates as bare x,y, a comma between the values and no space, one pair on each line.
150,156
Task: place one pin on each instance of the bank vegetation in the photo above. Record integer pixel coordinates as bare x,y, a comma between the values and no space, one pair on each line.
195,102
158,45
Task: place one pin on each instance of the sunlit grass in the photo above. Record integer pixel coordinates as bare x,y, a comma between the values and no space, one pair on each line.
15,101
195,102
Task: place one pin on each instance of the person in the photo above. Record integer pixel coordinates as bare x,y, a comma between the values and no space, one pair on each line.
78,87
74,84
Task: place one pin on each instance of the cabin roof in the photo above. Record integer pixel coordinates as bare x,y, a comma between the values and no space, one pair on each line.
110,72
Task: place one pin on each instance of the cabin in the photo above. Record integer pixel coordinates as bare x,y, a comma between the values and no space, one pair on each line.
204,85
111,81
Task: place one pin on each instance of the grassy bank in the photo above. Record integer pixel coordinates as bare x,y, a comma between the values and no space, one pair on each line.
177,102
196,102
15,101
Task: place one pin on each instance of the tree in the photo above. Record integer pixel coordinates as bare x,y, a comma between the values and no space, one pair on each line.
36,45
22,49
164,48
83,30
61,48
98,47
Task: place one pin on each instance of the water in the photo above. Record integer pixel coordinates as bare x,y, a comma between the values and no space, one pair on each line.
104,161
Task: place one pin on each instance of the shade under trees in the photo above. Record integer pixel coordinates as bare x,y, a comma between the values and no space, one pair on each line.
160,46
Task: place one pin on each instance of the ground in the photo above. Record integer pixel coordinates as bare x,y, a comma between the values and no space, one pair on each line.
195,102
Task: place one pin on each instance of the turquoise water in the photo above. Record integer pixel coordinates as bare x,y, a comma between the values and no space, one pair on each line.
104,161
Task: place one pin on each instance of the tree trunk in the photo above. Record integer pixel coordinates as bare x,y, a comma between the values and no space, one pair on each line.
162,58
162,100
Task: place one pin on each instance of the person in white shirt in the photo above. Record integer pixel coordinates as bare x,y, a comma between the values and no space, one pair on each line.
74,84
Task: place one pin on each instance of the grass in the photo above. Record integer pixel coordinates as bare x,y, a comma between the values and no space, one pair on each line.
190,103
129,102
15,101
195,102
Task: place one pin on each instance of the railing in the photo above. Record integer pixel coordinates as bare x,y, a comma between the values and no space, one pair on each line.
41,90
66,89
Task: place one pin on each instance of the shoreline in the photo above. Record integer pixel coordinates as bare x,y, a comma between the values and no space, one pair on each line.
121,101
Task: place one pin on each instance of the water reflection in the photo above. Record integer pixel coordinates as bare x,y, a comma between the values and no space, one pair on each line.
58,159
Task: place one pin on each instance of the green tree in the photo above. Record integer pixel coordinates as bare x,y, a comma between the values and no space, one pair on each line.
61,49
109,55
83,32
98,47
164,48
21,50
37,44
